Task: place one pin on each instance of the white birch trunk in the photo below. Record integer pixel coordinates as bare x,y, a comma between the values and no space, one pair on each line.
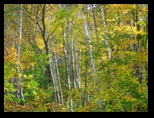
56,78
90,48
73,67
105,32
67,58
19,89
92,63
59,83
79,77
71,105
53,78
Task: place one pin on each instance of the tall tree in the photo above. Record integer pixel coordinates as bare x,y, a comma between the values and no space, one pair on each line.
105,31
19,87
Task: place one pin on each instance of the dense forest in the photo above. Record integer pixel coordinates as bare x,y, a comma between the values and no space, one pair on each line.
75,57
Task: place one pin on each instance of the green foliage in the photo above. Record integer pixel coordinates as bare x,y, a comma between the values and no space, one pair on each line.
122,79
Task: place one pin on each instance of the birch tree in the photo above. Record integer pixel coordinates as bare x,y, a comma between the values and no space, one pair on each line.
105,32
75,58
90,48
19,88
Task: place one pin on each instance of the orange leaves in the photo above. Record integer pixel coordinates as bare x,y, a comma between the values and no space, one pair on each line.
9,55
144,9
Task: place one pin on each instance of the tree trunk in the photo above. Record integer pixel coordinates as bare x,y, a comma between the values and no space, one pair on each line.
58,77
90,49
53,78
137,46
105,32
19,88
95,25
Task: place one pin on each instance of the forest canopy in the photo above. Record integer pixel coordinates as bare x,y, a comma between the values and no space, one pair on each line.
75,58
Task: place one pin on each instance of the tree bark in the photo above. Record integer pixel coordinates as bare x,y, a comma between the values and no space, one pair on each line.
95,24
19,88
90,48
137,46
105,31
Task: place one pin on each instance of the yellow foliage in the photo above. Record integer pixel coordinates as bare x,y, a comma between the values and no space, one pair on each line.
5,89
10,55
40,43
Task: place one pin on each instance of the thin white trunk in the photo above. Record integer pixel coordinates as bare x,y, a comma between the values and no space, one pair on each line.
67,59
56,80
77,66
53,78
20,34
59,83
68,78
92,61
71,104
67,70
55,75
90,48
19,89
79,77
73,67
105,32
